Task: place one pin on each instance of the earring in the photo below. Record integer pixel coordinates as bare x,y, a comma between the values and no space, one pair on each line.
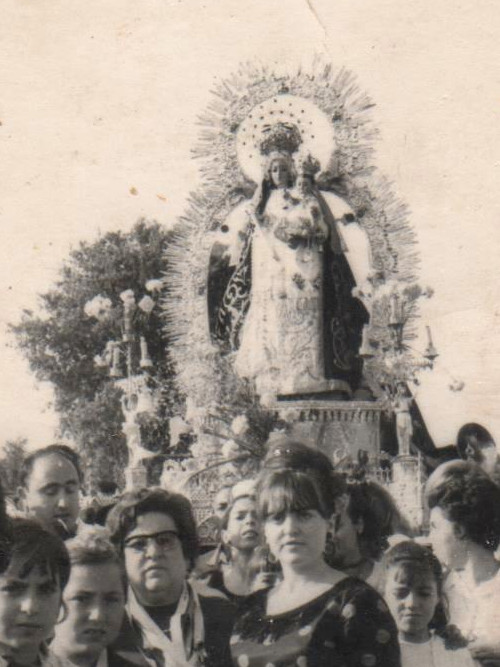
272,558
329,548
226,550
268,558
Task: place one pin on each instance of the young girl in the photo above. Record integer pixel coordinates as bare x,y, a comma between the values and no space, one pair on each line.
33,574
236,571
413,589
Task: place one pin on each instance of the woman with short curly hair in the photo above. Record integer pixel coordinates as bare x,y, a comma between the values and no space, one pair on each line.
168,618
464,508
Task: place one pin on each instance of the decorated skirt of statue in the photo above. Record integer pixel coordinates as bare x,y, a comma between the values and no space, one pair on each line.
281,342
347,626
288,312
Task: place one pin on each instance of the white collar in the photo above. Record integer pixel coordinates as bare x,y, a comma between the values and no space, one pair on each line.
180,650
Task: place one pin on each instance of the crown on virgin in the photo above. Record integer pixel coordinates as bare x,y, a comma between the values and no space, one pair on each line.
280,137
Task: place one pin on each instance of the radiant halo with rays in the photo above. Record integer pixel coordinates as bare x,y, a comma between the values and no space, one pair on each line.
337,126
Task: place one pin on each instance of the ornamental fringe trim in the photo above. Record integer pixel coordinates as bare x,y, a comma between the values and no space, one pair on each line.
203,374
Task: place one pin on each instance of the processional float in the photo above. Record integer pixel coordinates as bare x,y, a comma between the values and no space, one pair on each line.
290,296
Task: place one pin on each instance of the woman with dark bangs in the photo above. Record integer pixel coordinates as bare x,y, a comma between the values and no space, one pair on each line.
316,616
33,575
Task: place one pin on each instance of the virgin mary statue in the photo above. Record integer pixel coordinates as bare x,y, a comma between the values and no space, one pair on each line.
280,285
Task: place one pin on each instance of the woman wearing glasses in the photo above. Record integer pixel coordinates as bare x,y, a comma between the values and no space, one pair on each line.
167,619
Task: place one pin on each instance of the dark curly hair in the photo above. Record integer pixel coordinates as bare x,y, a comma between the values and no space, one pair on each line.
375,508
34,546
471,440
469,498
123,517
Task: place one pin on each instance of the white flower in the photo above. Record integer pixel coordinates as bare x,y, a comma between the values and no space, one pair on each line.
99,361
146,304
239,425
230,449
154,285
128,296
98,307
177,427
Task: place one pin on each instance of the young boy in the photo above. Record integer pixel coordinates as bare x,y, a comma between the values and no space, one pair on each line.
94,602
34,570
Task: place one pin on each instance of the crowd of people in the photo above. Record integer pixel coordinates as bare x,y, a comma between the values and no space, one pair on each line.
311,570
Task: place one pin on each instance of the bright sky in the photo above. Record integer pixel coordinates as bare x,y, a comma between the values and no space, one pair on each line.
101,97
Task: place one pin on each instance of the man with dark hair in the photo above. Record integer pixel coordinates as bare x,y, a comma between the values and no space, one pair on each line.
51,478
361,530
475,444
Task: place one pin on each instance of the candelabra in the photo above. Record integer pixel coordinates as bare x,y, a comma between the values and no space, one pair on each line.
390,351
393,362
395,366
131,368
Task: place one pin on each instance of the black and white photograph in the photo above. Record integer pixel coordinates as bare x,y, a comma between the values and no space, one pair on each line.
250,330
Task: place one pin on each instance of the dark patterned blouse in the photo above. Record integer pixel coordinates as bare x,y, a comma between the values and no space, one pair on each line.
215,579
348,625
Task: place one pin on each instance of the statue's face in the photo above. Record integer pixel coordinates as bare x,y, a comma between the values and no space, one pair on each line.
280,172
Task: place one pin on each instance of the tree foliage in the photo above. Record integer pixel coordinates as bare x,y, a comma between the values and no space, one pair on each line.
13,453
61,341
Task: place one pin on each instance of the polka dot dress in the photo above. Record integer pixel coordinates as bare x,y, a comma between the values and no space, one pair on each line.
348,625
